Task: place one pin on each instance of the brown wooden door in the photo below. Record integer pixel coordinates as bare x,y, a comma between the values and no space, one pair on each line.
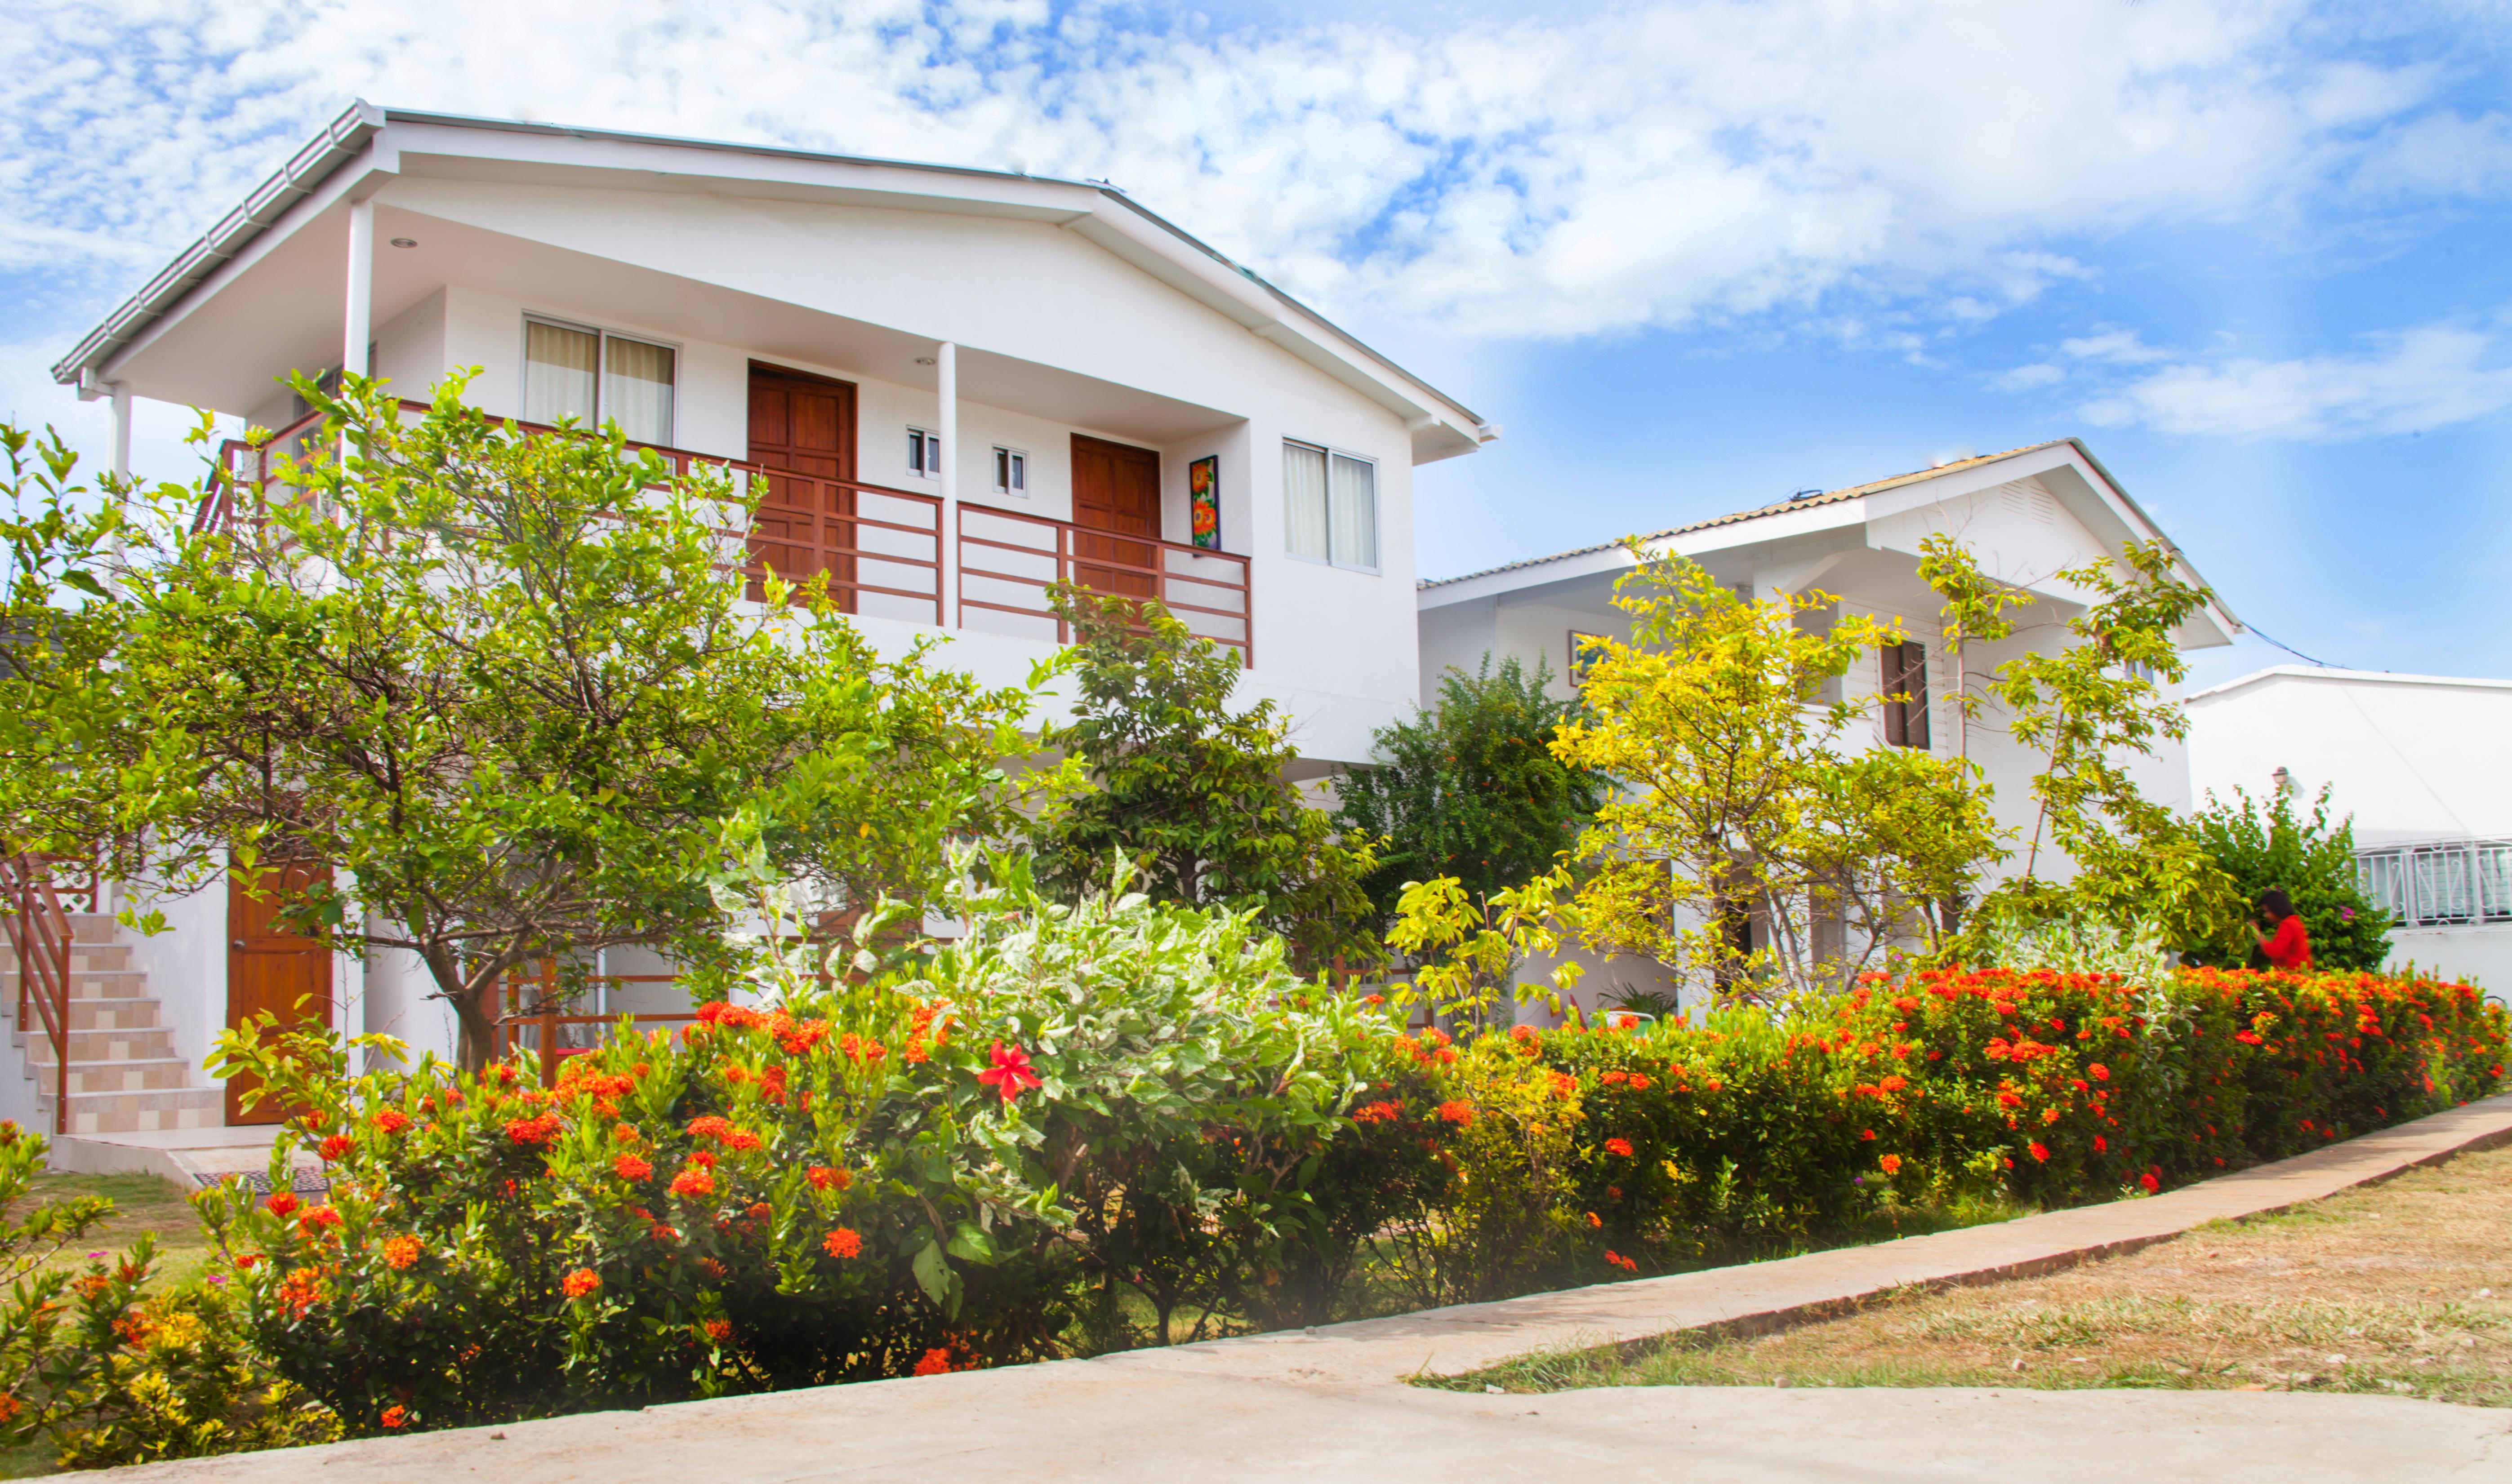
803,431
1115,488
271,971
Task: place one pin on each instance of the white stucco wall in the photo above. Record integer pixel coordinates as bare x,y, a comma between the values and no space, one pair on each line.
2411,757
1337,647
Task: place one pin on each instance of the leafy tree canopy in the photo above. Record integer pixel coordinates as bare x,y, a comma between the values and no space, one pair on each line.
2270,843
1193,793
1471,789
507,688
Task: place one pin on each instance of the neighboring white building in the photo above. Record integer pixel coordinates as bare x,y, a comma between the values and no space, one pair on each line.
962,385
2026,515
2418,761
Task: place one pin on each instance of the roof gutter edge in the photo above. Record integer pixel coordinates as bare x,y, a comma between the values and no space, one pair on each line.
338,143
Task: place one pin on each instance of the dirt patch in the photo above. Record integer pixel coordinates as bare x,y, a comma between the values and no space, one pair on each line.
2404,1287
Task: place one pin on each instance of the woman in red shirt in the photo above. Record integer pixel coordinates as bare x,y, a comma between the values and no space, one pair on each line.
2286,946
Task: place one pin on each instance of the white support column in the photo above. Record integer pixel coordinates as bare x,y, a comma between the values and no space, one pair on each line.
945,386
121,430
357,326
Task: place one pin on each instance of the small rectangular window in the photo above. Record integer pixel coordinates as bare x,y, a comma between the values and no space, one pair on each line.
1330,506
924,452
1011,472
1585,649
1905,695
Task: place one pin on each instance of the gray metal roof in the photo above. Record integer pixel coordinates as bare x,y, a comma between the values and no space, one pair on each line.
1782,507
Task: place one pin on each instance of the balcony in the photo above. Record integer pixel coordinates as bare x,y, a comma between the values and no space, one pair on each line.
882,553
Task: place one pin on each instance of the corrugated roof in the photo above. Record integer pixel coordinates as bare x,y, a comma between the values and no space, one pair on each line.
1782,507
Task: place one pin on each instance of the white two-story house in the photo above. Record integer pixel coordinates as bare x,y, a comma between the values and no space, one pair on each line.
2026,515
956,385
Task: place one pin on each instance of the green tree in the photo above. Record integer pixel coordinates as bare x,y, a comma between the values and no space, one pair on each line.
2090,708
1746,801
505,688
1193,793
1471,789
2264,844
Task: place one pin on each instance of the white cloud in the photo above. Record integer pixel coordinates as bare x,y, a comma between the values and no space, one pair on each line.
2024,378
1661,165
2411,381
2117,346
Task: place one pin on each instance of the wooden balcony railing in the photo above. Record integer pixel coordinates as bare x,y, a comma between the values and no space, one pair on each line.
1007,559
539,1021
881,548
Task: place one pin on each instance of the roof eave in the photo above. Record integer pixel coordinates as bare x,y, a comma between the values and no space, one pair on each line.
1423,406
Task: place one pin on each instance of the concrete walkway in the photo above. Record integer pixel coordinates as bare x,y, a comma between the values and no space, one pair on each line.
1331,1404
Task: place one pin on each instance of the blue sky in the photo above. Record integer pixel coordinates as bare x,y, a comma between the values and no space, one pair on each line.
1691,256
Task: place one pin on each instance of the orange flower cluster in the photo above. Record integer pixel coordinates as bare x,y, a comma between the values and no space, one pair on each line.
844,1242
534,1132
1456,1111
401,1252
581,1282
827,1178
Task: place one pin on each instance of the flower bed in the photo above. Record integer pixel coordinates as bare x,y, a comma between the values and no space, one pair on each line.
2047,1088
1130,1110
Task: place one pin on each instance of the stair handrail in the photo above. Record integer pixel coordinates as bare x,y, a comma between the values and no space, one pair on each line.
39,934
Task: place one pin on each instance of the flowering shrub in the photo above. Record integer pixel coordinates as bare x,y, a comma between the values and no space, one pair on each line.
105,1372
1023,1144
957,1159
2044,1087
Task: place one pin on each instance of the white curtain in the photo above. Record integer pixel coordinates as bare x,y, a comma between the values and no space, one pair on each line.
1355,502
558,372
1303,500
637,390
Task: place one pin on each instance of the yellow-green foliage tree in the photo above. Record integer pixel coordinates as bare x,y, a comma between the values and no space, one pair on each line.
1746,799
2090,708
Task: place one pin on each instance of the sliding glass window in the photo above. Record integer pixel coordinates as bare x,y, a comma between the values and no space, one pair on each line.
594,377
1330,506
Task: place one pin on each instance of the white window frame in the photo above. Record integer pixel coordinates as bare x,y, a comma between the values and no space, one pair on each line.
1378,526
601,338
1015,484
925,459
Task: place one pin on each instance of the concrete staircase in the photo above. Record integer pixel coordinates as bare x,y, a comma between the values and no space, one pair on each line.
124,1076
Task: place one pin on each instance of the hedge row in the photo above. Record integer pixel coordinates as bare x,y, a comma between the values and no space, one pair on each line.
1007,1155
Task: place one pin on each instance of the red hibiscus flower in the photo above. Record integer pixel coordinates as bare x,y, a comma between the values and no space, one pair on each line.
1011,1075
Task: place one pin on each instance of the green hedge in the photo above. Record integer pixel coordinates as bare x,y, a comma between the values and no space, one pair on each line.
1089,1128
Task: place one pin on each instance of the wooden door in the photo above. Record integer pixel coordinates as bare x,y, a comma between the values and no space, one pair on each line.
802,432
1115,488
270,970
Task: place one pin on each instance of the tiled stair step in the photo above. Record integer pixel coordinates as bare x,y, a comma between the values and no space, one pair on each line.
132,1113
110,1014
152,1074
89,984
93,929
107,1046
83,956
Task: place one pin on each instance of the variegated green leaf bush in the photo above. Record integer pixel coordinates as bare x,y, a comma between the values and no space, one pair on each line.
965,1159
